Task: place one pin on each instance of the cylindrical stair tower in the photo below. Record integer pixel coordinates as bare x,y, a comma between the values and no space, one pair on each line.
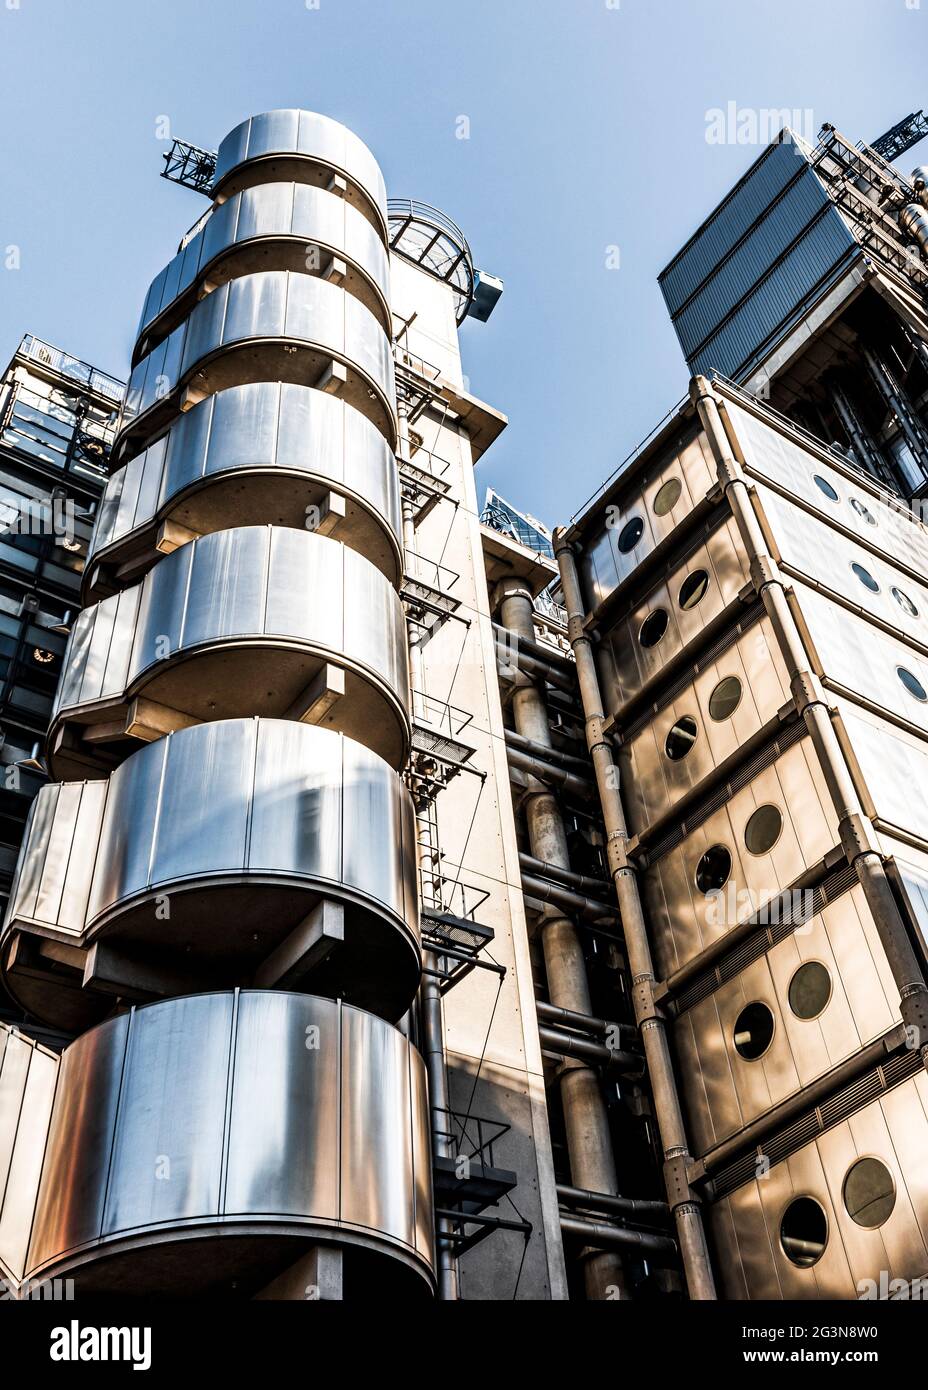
218,892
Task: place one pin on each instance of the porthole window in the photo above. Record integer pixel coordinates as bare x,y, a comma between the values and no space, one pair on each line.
667,496
866,578
869,1193
653,628
804,1232
681,738
713,870
862,511
912,684
904,602
763,829
725,699
753,1031
631,534
824,485
810,990
693,589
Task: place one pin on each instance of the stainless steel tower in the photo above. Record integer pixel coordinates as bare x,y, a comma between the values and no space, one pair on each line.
219,891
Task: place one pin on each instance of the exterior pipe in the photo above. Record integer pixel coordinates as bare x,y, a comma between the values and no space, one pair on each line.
586,1119
600,1027
591,908
581,882
634,1208
550,755
548,656
857,837
685,1206
899,404
569,1045
511,661
868,456
550,774
644,1243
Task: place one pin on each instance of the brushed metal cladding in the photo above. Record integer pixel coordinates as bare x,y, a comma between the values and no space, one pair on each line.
723,1090
626,664
603,565
891,767
277,226
878,520
752,666
304,147
752,1263
208,1139
910,868
243,826
837,639
27,1088
685,920
240,622
264,451
245,331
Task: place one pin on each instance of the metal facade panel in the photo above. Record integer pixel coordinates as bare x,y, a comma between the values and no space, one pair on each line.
890,763
685,920
27,1090
652,781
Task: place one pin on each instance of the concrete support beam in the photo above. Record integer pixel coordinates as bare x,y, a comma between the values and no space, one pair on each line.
171,536
324,690
149,721
332,513
316,1276
320,932
333,379
109,972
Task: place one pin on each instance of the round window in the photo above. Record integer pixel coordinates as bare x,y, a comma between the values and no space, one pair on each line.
763,829
810,990
824,485
904,602
713,869
667,497
631,534
681,738
693,589
869,1192
866,578
863,511
804,1232
653,628
725,699
753,1031
912,684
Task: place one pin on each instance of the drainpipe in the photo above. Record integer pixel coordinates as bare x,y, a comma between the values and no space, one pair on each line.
586,1120
684,1203
430,1004
868,456
898,402
857,837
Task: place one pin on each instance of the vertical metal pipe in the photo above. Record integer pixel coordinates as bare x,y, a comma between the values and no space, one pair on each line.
866,452
900,405
856,832
586,1120
686,1208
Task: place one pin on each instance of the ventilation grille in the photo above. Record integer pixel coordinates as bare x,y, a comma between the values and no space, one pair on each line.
817,1119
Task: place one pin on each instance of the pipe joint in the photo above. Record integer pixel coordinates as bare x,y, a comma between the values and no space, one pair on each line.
681,1196
764,572
857,839
806,690
729,472
644,1001
576,629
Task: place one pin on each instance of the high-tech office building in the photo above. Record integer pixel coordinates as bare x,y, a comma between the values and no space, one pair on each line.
414,903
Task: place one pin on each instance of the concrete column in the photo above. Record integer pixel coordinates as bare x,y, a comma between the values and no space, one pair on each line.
589,1143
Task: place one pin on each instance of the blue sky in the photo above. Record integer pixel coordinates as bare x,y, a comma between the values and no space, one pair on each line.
588,131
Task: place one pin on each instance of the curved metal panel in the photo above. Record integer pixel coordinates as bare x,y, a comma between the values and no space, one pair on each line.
246,331
220,1123
302,146
207,849
277,226
27,1089
856,1262
243,622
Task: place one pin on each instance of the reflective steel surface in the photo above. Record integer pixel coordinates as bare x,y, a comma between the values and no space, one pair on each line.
204,850
265,451
28,1074
247,330
204,1142
304,147
242,622
278,226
